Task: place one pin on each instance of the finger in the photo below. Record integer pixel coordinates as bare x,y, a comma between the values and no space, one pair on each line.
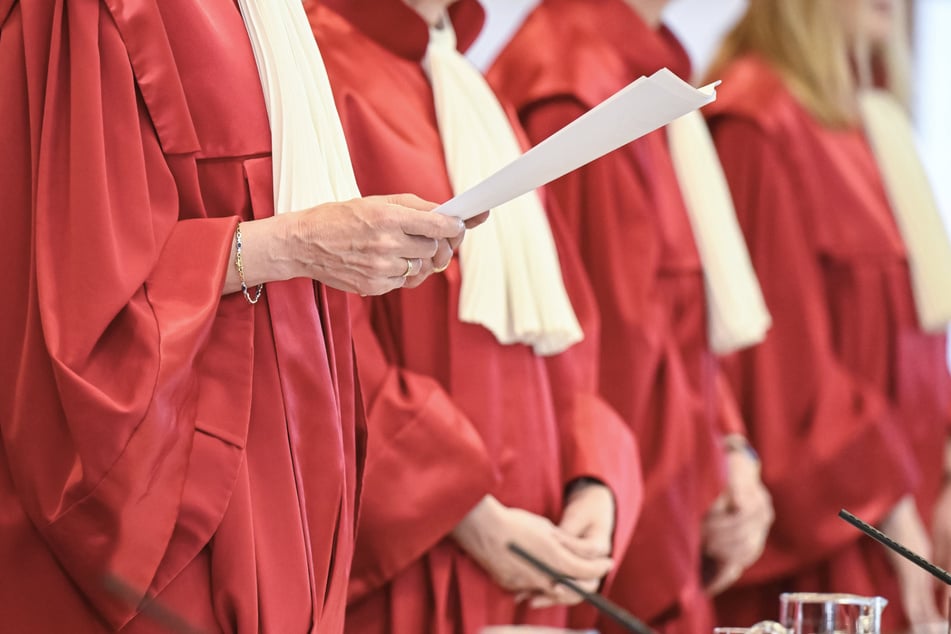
411,201
575,521
726,523
558,595
456,242
381,286
415,280
442,256
523,578
744,539
596,544
758,517
743,551
522,596
429,225
725,577
720,505
475,221
576,566
409,247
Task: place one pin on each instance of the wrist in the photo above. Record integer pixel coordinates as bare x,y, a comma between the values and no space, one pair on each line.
738,444
485,512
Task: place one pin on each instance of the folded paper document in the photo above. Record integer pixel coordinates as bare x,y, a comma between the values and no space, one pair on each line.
641,107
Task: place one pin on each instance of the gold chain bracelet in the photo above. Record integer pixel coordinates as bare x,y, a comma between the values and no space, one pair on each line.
239,264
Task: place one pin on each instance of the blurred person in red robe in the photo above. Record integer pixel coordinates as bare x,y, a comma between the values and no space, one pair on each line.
482,432
169,429
705,513
849,399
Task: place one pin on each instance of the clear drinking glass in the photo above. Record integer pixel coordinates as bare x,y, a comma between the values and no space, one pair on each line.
815,613
763,627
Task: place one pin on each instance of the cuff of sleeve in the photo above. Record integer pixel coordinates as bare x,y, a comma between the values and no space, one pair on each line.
600,446
420,481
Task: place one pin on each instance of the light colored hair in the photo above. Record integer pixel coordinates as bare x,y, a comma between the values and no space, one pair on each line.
807,42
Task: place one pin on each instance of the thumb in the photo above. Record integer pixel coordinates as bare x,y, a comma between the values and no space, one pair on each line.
725,577
575,521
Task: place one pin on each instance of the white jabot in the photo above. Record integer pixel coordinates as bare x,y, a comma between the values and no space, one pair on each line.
511,275
912,200
310,155
736,312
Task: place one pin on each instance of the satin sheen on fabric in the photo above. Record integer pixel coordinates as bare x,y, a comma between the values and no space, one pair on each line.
187,444
454,415
629,220
846,381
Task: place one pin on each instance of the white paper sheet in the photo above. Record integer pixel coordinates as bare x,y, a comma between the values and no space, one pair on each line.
643,106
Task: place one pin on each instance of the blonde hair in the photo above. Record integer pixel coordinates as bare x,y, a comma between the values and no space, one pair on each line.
807,42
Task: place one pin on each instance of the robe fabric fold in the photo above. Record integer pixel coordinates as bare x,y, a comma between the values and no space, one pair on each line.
626,214
847,400
156,437
454,415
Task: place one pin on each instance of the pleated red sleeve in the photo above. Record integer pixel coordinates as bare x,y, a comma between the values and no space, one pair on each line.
426,463
125,385
828,439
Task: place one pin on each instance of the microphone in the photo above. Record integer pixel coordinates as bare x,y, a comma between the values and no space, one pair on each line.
887,541
606,607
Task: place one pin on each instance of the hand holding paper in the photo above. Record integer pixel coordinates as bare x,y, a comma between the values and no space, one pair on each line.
641,107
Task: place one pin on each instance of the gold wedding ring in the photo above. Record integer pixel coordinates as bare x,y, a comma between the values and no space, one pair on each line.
411,268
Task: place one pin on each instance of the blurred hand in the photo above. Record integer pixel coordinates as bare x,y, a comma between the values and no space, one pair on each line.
490,526
589,519
941,535
904,525
941,527
738,522
366,245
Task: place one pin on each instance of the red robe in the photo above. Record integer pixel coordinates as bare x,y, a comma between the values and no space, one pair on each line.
453,414
156,435
847,400
628,218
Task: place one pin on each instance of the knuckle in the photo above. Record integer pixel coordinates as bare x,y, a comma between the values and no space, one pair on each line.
382,264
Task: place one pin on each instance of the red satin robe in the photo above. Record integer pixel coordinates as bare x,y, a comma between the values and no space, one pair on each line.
157,436
628,218
847,400
453,414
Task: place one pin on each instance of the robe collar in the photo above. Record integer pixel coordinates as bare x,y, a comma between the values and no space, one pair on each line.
644,49
399,29
611,46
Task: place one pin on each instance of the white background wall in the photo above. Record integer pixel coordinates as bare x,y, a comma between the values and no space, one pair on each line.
701,23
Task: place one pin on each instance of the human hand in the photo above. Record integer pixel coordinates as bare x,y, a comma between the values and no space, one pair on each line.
589,517
904,525
446,248
490,527
941,536
368,245
737,524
